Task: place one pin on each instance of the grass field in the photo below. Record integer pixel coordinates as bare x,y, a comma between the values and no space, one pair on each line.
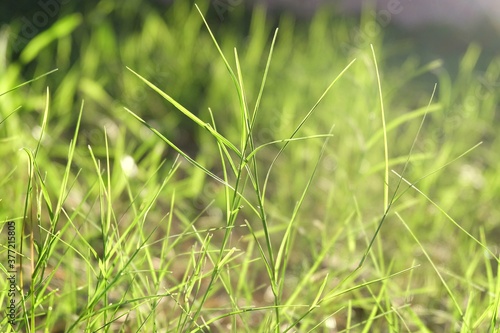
176,175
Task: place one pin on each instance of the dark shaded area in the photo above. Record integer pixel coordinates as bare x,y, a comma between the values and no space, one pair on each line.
28,19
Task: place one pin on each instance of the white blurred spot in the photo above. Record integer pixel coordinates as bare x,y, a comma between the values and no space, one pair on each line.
145,133
128,165
331,323
112,129
36,131
471,176
268,295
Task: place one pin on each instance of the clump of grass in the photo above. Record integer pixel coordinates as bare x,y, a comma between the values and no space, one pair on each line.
304,228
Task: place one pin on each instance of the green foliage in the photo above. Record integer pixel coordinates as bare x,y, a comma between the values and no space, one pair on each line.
287,180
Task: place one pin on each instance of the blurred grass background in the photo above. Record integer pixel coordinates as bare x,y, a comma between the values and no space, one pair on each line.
91,43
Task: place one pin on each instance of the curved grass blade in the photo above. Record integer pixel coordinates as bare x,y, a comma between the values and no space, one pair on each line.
177,149
189,114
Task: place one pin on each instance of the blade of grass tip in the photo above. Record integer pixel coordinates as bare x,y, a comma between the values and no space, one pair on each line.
394,195
301,124
188,114
28,82
384,129
261,92
412,185
457,306
317,300
231,72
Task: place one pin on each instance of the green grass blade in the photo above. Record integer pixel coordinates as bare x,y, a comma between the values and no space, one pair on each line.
189,114
264,79
28,82
171,144
10,114
384,131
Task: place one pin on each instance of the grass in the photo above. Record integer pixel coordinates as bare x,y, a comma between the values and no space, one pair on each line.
254,186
